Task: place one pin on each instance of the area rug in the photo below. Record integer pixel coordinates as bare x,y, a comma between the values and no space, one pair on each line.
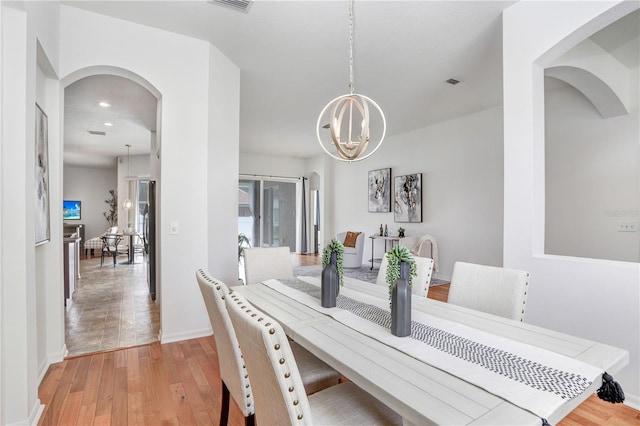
363,274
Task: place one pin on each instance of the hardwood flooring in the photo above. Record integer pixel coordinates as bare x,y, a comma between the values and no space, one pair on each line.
179,384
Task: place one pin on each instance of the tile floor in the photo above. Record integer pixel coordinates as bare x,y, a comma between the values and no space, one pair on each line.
111,307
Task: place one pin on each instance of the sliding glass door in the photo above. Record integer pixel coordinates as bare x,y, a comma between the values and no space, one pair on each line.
267,211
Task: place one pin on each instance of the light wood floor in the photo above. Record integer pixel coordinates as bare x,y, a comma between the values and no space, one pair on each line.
179,384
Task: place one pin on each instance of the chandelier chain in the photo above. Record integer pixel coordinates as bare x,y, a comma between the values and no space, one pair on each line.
351,83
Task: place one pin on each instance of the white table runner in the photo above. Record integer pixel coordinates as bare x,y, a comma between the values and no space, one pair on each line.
532,378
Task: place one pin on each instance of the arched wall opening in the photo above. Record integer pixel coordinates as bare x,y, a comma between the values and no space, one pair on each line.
146,168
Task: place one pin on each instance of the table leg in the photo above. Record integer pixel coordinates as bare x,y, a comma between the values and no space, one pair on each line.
131,254
372,239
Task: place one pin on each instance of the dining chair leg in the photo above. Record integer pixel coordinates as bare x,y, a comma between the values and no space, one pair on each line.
114,259
250,420
224,408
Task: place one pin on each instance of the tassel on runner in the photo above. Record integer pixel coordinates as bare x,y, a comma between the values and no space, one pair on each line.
610,390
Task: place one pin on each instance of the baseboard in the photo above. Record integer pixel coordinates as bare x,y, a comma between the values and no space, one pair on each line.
632,401
178,337
51,359
36,413
443,278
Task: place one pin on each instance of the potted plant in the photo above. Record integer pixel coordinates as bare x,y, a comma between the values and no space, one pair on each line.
112,217
332,273
401,232
336,248
243,242
401,271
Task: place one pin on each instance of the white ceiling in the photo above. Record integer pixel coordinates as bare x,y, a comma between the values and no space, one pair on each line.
132,113
293,57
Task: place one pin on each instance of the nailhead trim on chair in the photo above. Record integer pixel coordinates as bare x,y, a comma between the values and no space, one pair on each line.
282,362
247,384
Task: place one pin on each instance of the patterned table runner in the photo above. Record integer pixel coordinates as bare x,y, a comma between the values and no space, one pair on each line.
535,379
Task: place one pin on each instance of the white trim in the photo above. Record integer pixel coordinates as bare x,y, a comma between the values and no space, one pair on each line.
36,413
632,401
178,337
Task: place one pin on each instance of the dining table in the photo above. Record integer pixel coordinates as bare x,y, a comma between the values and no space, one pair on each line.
420,390
132,235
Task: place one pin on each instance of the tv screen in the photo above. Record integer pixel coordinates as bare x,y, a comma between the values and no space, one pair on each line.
71,210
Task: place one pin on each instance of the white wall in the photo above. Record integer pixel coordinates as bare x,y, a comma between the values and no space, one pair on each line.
31,277
461,165
91,186
592,182
271,165
222,179
179,69
568,294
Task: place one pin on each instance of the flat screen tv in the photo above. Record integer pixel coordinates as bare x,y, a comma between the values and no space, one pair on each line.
71,209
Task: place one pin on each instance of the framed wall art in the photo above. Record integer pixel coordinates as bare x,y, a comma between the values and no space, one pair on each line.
407,206
380,191
42,230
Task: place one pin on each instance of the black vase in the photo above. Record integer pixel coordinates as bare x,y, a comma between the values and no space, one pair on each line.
329,283
401,303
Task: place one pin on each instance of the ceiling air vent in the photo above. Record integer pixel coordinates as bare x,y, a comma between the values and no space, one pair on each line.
97,132
453,81
239,5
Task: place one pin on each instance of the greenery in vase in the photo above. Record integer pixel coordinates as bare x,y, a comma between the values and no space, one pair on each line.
112,217
394,257
336,247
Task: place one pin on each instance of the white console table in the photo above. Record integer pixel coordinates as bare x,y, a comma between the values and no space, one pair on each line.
393,240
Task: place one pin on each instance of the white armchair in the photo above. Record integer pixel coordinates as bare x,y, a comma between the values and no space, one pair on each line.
352,255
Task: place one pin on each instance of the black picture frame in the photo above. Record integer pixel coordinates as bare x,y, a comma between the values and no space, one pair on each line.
379,191
407,206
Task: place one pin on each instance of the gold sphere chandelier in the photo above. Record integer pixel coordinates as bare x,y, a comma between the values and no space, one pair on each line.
349,119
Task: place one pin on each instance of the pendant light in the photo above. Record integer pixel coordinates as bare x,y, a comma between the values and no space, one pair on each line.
127,202
349,119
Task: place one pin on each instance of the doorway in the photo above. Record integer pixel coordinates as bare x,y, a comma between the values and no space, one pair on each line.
267,211
105,116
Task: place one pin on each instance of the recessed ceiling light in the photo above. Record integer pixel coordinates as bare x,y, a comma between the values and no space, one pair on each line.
108,124
104,104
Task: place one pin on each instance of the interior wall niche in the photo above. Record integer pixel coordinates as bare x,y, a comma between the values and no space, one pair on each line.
592,150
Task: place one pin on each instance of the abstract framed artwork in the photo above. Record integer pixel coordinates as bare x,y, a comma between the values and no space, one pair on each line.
380,191
42,229
407,206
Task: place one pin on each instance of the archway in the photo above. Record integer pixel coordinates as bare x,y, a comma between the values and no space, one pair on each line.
94,98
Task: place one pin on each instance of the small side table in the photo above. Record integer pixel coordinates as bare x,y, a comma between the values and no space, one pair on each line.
394,240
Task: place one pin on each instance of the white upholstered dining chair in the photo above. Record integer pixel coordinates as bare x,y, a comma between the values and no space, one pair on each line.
263,263
278,391
235,381
491,289
422,281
